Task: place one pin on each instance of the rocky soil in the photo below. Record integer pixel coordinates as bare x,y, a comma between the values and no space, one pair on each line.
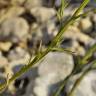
23,25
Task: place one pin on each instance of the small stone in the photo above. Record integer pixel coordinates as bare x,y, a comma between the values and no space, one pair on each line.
29,4
3,61
52,29
77,48
12,2
5,46
74,46
18,56
48,33
10,13
17,53
87,86
23,45
2,79
51,3
17,2
14,29
35,33
85,25
76,34
53,69
50,72
43,14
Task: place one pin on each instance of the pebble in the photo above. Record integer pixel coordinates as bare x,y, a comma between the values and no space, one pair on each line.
30,4
17,2
43,14
87,86
79,36
14,29
5,46
18,54
85,25
3,61
52,71
11,12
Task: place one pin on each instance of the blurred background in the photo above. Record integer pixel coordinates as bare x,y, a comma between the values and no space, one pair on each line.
24,24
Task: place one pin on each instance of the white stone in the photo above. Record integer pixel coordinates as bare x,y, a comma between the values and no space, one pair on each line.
85,25
5,46
76,34
15,29
11,13
87,86
42,13
53,69
29,4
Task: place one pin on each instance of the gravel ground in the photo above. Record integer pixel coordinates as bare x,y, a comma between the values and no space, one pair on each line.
23,25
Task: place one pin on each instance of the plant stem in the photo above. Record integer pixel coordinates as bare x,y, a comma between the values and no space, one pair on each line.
87,69
56,39
77,83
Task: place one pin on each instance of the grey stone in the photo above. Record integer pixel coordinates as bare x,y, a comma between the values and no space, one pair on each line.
74,46
94,86
29,4
19,54
87,86
85,25
17,2
44,33
78,35
14,29
3,61
14,2
5,46
42,13
11,12
53,69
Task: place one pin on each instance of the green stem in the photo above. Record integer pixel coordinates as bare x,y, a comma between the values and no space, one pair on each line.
56,39
77,83
87,69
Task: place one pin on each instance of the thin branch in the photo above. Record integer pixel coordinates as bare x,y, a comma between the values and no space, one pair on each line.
56,39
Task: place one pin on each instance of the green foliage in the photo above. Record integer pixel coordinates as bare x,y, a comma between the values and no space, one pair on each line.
60,12
89,54
54,47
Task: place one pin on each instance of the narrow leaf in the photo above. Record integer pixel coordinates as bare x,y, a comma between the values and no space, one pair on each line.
62,50
89,54
85,2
